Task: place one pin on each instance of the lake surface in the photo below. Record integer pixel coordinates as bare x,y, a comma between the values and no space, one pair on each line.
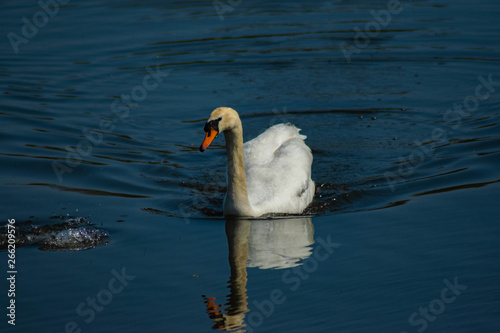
102,111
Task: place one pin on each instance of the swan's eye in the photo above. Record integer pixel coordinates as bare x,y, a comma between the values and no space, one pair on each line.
215,123
212,124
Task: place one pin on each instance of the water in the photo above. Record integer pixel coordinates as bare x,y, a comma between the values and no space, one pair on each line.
102,113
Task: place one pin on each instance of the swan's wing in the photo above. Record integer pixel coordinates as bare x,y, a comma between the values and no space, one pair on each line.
278,169
261,149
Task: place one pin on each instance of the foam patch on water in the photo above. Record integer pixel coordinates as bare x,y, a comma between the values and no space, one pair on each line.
71,235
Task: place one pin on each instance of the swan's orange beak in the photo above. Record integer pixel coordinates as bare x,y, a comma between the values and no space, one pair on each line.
209,137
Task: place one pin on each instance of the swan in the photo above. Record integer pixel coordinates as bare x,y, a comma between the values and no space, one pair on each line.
269,174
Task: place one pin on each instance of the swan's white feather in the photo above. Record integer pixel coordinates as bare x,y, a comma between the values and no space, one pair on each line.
278,170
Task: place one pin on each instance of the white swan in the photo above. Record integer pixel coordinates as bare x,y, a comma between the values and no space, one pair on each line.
269,174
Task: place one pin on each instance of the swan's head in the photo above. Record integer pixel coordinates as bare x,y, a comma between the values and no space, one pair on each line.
220,120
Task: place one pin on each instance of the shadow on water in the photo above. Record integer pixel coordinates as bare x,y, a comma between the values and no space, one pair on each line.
277,244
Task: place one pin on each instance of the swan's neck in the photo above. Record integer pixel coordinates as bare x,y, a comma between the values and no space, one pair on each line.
237,202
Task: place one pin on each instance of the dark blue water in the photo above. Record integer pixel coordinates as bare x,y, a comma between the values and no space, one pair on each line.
102,110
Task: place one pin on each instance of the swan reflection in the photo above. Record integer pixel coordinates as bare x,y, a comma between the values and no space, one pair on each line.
265,244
